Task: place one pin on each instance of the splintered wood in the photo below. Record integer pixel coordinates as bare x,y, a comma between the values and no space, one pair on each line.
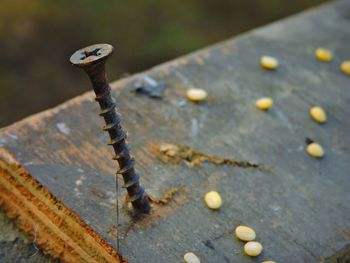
174,154
55,227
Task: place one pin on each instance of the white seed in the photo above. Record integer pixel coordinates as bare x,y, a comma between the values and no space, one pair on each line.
315,150
323,54
268,62
245,233
190,257
268,261
197,95
318,114
345,67
213,200
253,248
264,103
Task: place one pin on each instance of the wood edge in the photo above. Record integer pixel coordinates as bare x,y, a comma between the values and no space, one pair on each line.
165,68
198,57
36,119
54,233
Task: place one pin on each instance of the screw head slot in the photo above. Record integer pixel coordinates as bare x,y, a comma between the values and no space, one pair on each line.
91,55
87,53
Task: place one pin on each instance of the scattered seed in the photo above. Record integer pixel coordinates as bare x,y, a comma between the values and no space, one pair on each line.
264,103
213,200
318,114
245,233
315,150
190,257
253,248
268,62
323,54
345,67
197,95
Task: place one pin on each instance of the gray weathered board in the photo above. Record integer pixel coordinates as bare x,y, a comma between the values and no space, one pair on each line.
300,207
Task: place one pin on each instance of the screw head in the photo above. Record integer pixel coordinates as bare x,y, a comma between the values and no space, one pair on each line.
91,55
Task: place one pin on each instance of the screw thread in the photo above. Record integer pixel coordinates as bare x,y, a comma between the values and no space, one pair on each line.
118,141
92,60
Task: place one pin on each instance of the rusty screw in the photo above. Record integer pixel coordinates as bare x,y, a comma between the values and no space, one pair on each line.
92,59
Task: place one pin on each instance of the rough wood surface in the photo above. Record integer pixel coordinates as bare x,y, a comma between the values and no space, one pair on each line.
299,206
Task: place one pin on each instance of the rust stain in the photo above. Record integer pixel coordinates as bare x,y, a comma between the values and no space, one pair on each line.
98,193
163,207
88,154
175,153
167,197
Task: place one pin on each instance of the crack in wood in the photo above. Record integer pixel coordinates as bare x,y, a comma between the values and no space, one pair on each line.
167,197
175,153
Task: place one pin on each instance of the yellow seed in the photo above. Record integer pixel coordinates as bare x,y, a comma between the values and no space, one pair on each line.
268,261
318,114
197,95
323,54
253,248
345,67
213,200
245,233
264,103
315,150
191,258
268,62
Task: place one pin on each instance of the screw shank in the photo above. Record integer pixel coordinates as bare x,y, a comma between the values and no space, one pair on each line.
136,193
98,78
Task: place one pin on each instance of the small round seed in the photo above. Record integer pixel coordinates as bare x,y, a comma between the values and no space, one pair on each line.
253,248
245,233
318,114
315,150
213,200
197,95
190,257
323,54
268,62
345,67
264,103
268,261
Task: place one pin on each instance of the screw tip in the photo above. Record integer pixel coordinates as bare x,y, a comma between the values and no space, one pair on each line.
91,55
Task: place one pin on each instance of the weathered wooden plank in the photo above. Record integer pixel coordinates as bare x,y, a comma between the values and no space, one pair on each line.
299,206
15,245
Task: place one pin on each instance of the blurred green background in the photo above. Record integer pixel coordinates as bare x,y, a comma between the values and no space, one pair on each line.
37,38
